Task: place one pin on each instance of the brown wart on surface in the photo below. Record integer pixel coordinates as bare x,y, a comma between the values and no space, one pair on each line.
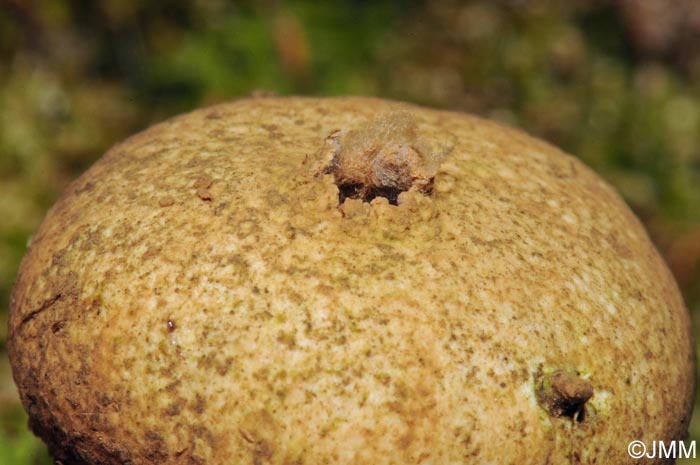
201,186
562,394
382,158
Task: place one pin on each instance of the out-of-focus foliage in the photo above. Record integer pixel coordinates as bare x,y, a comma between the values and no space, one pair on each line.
615,82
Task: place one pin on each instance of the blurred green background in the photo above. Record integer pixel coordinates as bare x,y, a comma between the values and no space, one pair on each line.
615,82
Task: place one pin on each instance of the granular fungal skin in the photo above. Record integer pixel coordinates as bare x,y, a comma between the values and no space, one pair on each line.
311,332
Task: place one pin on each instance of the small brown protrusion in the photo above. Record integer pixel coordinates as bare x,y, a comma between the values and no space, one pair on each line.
203,182
166,201
202,185
203,193
563,394
247,437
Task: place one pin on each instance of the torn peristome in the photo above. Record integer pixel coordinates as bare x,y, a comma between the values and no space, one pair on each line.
382,158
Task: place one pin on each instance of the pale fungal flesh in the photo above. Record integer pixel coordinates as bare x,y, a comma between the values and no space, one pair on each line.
207,293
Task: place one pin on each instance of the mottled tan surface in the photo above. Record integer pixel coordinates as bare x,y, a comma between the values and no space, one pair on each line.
197,297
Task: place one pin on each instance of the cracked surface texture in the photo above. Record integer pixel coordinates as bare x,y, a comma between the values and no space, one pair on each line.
198,296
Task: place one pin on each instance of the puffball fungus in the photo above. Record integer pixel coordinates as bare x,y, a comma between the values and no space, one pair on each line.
345,281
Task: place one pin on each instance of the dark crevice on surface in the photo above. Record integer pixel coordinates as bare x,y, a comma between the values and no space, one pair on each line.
358,191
